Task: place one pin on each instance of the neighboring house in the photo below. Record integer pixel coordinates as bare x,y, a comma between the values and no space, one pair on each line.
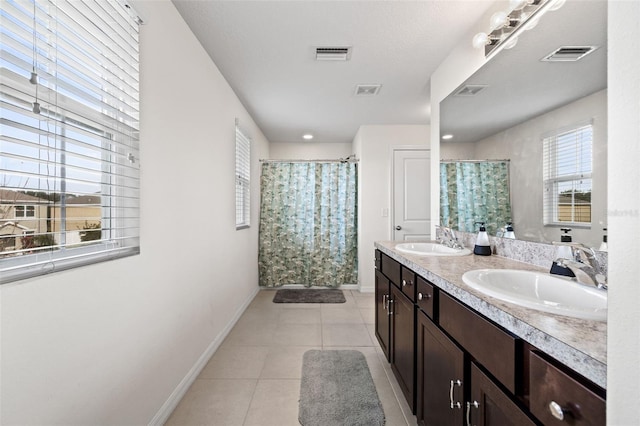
82,213
21,217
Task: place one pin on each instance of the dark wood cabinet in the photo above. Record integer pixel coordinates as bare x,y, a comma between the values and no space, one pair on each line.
440,374
382,317
457,367
403,343
490,406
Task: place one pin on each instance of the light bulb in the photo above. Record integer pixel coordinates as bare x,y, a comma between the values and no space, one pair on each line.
480,40
498,20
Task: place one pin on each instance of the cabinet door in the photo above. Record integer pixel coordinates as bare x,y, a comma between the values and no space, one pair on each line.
440,387
490,406
403,343
383,329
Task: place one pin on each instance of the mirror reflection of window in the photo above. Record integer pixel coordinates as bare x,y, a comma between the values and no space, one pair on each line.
568,165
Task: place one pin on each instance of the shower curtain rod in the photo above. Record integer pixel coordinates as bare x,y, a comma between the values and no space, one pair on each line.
475,161
340,160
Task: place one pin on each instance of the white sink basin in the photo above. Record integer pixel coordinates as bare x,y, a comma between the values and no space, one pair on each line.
544,292
431,249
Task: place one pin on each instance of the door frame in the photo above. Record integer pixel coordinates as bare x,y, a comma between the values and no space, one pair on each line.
392,209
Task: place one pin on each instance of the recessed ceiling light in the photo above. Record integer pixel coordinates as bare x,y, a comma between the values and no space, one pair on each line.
307,136
447,137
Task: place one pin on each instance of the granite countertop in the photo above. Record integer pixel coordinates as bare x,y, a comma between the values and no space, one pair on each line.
577,343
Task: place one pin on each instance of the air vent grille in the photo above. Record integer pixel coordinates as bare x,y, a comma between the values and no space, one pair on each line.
333,53
569,53
470,90
367,89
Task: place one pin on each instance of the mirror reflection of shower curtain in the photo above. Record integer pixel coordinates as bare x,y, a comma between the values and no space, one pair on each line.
475,191
308,224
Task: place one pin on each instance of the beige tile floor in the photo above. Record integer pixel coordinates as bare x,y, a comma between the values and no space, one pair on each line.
254,377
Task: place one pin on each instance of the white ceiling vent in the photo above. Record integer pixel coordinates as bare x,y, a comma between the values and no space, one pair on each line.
470,90
333,53
367,89
569,53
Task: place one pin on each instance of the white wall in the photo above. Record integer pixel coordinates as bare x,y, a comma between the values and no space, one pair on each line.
110,343
522,145
623,343
373,146
309,151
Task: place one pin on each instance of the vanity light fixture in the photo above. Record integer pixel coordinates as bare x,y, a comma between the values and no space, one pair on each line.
505,26
307,136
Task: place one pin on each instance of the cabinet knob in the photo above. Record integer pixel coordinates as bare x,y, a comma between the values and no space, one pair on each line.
404,283
556,410
398,228
424,296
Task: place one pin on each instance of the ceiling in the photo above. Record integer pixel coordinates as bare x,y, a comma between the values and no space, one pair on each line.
266,51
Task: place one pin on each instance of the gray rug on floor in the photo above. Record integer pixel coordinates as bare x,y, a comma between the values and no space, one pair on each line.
309,296
337,390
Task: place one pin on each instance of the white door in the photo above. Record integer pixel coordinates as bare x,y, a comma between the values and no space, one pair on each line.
411,194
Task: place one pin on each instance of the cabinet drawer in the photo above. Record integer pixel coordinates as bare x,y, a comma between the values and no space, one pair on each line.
550,384
491,346
425,296
391,269
408,283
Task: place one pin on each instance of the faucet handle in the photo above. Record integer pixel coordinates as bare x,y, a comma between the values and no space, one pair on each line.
583,254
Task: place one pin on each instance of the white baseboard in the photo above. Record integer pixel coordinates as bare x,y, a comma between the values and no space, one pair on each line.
178,393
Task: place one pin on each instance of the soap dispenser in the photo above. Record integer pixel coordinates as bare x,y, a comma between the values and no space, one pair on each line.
603,245
563,252
508,233
482,246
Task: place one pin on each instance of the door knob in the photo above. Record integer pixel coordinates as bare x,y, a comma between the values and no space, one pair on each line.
398,227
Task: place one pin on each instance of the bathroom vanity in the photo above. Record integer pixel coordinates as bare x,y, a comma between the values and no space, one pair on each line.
461,357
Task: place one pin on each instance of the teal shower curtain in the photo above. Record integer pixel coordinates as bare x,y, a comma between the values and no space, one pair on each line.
308,224
473,192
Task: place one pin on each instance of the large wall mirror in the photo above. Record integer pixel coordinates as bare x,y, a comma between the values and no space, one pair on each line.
523,99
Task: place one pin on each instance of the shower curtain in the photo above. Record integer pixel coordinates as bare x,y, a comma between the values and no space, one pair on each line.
308,224
473,192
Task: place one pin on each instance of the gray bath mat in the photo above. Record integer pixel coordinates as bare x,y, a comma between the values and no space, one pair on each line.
337,390
309,296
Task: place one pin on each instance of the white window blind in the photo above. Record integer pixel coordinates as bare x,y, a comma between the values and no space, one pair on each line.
69,134
567,168
243,179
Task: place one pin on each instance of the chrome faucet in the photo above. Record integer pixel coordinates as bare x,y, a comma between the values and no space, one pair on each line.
448,238
584,266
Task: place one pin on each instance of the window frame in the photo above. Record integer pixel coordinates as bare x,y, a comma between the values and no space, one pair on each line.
242,179
573,137
84,103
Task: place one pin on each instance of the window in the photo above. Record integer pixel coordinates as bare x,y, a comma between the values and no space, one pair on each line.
25,211
69,134
243,174
567,167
